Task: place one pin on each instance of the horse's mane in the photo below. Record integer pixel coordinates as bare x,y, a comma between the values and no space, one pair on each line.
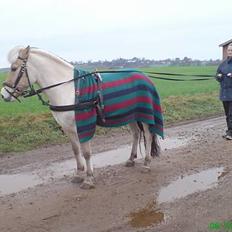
56,58
13,54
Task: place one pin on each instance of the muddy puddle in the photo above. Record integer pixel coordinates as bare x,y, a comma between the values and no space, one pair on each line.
186,185
145,217
20,181
15,183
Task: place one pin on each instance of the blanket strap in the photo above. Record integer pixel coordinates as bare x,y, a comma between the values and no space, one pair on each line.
100,105
93,103
78,106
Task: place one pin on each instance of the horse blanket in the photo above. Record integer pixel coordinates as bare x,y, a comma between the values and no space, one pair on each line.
127,96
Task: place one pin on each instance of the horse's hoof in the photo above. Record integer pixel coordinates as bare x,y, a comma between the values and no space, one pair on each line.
146,169
81,168
87,184
77,179
130,163
147,161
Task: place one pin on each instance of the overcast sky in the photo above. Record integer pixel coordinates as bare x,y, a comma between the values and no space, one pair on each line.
108,29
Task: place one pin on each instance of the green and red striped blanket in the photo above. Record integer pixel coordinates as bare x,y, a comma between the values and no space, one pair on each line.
128,96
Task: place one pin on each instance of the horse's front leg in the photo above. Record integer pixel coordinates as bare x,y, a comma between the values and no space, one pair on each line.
79,160
89,180
65,120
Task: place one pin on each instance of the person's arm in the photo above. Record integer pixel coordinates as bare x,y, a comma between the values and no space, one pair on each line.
219,75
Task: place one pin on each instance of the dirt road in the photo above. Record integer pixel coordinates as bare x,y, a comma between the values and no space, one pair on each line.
188,188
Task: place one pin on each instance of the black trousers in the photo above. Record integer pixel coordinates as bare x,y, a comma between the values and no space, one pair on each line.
228,112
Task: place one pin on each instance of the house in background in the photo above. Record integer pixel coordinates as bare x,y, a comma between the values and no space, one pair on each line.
224,47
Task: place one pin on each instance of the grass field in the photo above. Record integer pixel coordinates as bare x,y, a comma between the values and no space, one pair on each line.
29,124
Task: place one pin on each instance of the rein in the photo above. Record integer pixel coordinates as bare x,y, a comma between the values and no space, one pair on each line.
181,74
33,92
95,102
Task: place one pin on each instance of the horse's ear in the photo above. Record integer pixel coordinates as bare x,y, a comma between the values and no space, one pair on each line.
24,53
27,49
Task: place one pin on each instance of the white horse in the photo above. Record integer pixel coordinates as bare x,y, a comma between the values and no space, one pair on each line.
33,65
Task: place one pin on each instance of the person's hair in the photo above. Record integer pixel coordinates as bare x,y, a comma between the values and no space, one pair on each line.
229,45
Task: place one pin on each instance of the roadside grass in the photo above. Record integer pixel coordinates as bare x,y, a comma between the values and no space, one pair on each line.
30,125
177,108
25,132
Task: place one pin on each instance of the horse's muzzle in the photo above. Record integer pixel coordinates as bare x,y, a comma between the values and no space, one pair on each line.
5,95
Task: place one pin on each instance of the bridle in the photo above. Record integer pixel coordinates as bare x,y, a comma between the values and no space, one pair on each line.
14,87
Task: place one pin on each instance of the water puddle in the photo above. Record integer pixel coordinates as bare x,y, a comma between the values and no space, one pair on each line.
15,183
184,186
146,217
122,154
18,182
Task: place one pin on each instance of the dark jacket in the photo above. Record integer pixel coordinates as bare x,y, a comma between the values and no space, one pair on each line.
225,69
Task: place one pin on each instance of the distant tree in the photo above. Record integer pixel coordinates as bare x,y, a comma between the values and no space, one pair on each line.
143,62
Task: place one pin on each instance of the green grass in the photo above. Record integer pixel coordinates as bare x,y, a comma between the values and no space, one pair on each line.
27,125
25,132
178,108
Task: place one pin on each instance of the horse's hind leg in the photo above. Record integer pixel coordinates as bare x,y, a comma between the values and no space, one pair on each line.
136,133
148,142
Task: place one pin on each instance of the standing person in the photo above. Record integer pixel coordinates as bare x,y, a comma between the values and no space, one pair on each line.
224,77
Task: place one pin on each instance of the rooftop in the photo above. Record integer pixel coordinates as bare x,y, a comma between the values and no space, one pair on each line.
225,43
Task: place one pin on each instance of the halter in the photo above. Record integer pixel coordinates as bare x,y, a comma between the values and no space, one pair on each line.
23,69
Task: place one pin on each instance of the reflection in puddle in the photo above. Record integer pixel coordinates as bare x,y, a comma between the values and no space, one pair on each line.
17,182
146,217
184,186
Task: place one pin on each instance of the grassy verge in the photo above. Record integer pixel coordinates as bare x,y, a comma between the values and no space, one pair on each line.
30,125
18,134
177,108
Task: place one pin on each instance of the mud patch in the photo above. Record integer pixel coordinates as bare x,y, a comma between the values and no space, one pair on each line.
121,195
146,217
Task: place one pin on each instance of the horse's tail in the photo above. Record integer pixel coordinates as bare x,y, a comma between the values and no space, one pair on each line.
140,125
155,147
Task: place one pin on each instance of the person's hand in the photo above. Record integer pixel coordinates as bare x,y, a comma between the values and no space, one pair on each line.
219,75
229,74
